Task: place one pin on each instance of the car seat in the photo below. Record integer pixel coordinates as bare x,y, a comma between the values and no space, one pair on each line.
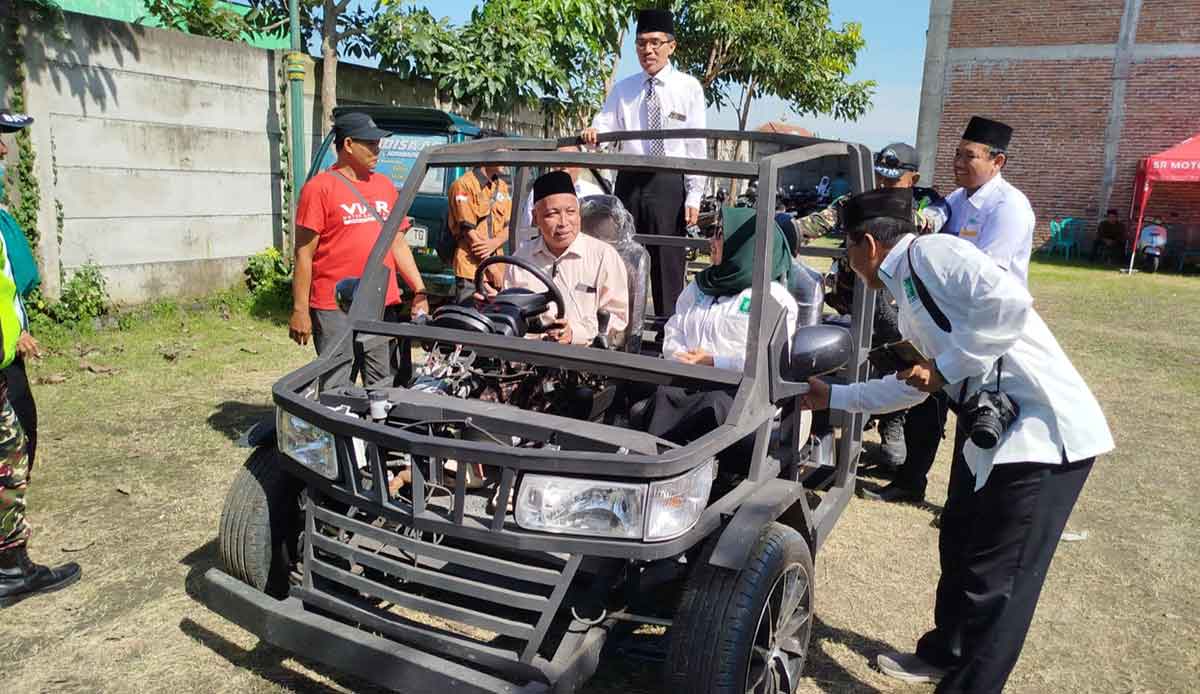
603,217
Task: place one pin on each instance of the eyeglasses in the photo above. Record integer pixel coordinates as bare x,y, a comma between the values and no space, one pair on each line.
652,44
964,155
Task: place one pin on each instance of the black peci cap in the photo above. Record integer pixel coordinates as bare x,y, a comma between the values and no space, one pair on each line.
992,133
553,183
357,126
895,203
650,21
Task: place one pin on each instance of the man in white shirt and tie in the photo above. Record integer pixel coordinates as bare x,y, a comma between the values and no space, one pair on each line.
987,210
1029,430
658,98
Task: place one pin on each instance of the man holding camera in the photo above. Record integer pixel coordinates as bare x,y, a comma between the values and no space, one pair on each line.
1028,432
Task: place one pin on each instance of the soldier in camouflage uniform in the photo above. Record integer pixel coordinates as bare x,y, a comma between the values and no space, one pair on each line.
907,437
20,578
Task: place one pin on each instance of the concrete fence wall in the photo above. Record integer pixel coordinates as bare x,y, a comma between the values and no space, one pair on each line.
158,153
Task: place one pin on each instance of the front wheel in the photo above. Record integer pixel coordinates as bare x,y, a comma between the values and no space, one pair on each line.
260,528
745,631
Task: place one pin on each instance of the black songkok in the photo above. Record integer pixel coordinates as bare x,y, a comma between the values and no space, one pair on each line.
992,133
651,21
884,202
553,183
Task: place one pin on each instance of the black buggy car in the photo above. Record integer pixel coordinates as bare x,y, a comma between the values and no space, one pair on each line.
487,519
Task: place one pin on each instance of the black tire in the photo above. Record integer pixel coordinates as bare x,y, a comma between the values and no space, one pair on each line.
260,527
716,642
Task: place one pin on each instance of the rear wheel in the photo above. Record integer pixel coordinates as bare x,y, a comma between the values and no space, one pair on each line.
261,521
745,631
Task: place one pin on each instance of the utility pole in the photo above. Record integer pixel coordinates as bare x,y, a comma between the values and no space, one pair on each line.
295,75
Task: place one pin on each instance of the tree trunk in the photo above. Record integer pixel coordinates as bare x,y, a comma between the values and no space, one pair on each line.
747,98
612,73
329,62
742,153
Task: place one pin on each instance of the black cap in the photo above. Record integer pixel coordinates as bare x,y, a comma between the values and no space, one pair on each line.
650,21
992,133
884,202
12,122
892,161
357,126
553,183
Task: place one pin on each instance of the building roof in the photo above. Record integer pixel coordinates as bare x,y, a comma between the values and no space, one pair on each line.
778,126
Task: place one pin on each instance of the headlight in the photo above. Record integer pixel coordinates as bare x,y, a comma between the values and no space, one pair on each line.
676,504
657,511
583,507
305,443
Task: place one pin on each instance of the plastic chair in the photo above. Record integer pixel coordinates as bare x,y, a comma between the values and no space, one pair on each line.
1055,234
1066,237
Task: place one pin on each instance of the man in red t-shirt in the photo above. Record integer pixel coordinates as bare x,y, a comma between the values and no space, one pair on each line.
335,232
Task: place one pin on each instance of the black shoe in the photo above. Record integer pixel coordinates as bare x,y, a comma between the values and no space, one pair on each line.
908,667
894,493
20,578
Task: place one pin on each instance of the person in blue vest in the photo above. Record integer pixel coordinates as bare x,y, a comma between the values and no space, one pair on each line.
20,578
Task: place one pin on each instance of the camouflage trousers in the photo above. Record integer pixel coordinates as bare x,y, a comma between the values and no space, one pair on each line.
14,477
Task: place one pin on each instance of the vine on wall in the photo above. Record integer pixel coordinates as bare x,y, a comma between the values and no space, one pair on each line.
23,178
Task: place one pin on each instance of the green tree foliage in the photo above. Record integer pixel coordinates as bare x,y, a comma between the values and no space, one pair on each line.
782,48
341,28
510,53
212,18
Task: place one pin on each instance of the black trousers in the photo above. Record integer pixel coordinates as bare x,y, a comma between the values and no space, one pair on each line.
682,416
924,425
995,547
656,202
21,397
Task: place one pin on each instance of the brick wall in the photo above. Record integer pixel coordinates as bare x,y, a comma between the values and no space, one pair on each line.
1060,108
1169,21
983,23
1162,108
1058,124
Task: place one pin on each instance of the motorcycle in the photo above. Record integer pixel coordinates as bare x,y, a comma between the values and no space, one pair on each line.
1152,246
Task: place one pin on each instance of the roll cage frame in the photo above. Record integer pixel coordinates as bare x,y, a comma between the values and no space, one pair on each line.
583,448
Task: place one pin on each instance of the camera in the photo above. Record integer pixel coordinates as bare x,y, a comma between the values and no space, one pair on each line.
988,414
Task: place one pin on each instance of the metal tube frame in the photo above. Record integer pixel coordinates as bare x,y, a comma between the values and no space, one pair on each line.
592,450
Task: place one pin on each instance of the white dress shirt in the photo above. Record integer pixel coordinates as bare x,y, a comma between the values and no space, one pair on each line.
591,276
583,188
998,220
718,325
991,315
683,108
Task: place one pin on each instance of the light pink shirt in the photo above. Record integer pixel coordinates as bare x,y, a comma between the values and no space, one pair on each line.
591,276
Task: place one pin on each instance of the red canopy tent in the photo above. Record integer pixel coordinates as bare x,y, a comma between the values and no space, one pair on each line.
1181,163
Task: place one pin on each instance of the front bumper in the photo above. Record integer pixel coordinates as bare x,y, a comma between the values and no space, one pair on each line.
382,662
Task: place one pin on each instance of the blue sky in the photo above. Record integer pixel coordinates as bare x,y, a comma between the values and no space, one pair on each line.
894,56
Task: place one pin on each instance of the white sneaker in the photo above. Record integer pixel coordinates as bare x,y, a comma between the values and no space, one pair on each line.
907,667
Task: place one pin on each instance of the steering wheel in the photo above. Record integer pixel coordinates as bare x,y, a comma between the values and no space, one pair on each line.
554,294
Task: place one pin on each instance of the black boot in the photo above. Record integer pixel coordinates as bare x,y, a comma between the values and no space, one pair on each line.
892,450
20,578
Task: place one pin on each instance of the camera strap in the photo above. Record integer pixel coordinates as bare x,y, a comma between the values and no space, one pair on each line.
931,307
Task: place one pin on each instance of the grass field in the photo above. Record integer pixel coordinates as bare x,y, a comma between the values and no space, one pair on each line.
134,464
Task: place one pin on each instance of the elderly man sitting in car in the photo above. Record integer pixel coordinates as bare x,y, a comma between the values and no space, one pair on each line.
589,272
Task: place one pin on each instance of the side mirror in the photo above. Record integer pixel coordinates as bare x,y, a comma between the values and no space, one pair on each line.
818,350
343,292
